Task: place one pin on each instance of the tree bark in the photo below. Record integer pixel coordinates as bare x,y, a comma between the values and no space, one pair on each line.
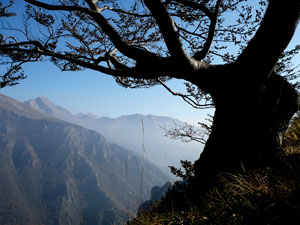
248,125
253,104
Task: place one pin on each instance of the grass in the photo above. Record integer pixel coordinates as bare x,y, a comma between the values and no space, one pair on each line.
252,197
261,196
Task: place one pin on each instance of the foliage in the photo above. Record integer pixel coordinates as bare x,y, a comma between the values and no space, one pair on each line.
291,140
14,71
286,68
4,9
188,170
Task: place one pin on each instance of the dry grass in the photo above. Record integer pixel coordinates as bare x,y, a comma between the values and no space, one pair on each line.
262,196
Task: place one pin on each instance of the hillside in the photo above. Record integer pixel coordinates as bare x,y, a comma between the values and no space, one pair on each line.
131,131
54,172
268,195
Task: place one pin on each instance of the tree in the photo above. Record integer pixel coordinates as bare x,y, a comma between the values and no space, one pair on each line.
152,41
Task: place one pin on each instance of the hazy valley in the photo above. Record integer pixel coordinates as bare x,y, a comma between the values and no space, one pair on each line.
142,134
54,172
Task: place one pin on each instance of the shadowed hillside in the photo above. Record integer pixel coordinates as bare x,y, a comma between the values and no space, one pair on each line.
53,172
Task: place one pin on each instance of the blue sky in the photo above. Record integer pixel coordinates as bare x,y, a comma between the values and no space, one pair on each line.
92,92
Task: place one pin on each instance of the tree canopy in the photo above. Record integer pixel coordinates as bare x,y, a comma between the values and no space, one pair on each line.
142,43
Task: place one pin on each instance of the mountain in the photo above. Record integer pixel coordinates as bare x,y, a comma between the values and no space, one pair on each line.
44,105
12,106
56,173
142,134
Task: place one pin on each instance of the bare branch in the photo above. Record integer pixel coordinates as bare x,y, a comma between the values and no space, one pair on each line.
128,13
37,45
212,27
12,75
93,6
167,28
186,98
4,9
186,133
274,34
195,5
39,49
120,70
111,56
123,47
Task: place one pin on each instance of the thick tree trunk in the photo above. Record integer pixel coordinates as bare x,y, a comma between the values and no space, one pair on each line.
248,126
253,105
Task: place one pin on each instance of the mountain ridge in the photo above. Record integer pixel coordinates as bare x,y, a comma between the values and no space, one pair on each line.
140,132
14,106
56,173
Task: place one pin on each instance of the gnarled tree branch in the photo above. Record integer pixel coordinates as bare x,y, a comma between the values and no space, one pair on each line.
212,27
188,99
273,36
167,28
122,46
196,5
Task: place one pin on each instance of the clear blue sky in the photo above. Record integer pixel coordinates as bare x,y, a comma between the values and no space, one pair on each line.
92,92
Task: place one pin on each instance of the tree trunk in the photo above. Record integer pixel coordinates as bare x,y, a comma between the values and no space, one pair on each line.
253,104
248,126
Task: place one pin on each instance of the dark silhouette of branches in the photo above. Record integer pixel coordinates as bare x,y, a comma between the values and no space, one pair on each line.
188,132
145,44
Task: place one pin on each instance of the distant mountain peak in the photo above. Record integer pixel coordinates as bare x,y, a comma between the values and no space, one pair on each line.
40,99
41,104
44,99
92,115
88,116
44,105
15,106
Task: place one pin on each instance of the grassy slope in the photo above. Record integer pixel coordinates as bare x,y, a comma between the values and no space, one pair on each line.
265,196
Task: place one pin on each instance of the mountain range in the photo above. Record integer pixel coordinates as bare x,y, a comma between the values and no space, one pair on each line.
54,172
142,134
